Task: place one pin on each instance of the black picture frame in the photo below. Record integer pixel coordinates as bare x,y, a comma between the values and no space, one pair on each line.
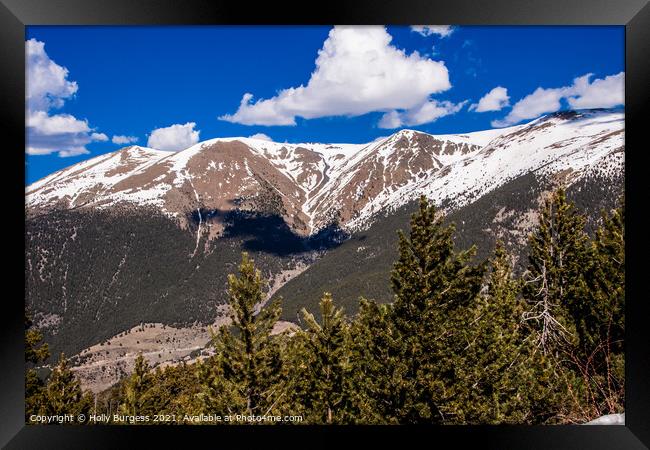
15,15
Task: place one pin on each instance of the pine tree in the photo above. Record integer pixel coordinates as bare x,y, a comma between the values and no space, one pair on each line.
136,398
555,279
62,394
243,377
434,288
509,378
373,364
323,366
601,316
575,290
36,352
600,321
493,355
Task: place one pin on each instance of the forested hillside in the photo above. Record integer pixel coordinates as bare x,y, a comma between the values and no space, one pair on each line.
465,341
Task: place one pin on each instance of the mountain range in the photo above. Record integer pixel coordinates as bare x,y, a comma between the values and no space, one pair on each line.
148,236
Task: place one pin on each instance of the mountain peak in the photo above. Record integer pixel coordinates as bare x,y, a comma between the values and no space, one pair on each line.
574,114
409,133
305,183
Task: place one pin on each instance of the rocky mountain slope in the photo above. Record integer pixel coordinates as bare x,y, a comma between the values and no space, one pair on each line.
308,183
141,235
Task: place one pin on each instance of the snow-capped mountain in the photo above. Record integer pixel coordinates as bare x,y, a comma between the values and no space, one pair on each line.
311,184
98,261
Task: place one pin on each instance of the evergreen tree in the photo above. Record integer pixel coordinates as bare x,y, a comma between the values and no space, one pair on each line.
243,376
426,334
323,366
575,290
373,364
62,394
172,390
555,279
136,390
600,316
36,352
509,378
600,322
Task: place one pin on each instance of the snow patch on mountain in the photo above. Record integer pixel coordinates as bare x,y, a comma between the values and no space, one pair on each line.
96,174
547,145
353,182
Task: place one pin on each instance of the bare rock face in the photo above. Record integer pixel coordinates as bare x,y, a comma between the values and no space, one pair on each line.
229,175
399,161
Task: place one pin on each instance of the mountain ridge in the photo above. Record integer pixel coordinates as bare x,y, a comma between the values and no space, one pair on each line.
316,183
114,177
102,257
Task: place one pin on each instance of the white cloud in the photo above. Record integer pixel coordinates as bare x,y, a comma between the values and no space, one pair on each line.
118,139
175,137
47,88
357,71
69,151
428,30
427,112
101,137
495,100
261,136
73,151
601,93
392,119
47,82
47,125
541,101
70,144
60,133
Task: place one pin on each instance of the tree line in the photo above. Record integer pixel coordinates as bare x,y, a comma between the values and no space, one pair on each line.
463,342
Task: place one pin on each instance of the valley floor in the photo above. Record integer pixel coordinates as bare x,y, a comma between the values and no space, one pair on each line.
102,365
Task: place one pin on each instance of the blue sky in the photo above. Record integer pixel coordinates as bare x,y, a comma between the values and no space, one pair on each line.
90,86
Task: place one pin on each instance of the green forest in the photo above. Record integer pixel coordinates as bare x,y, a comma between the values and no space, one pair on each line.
464,341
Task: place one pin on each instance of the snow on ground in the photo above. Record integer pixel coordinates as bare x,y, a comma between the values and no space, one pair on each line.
609,419
99,173
560,144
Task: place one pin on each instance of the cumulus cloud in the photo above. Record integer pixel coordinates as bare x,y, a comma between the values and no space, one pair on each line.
426,112
541,101
65,144
60,133
121,140
392,119
47,82
101,137
47,125
175,137
261,136
601,93
357,71
47,88
428,30
495,100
